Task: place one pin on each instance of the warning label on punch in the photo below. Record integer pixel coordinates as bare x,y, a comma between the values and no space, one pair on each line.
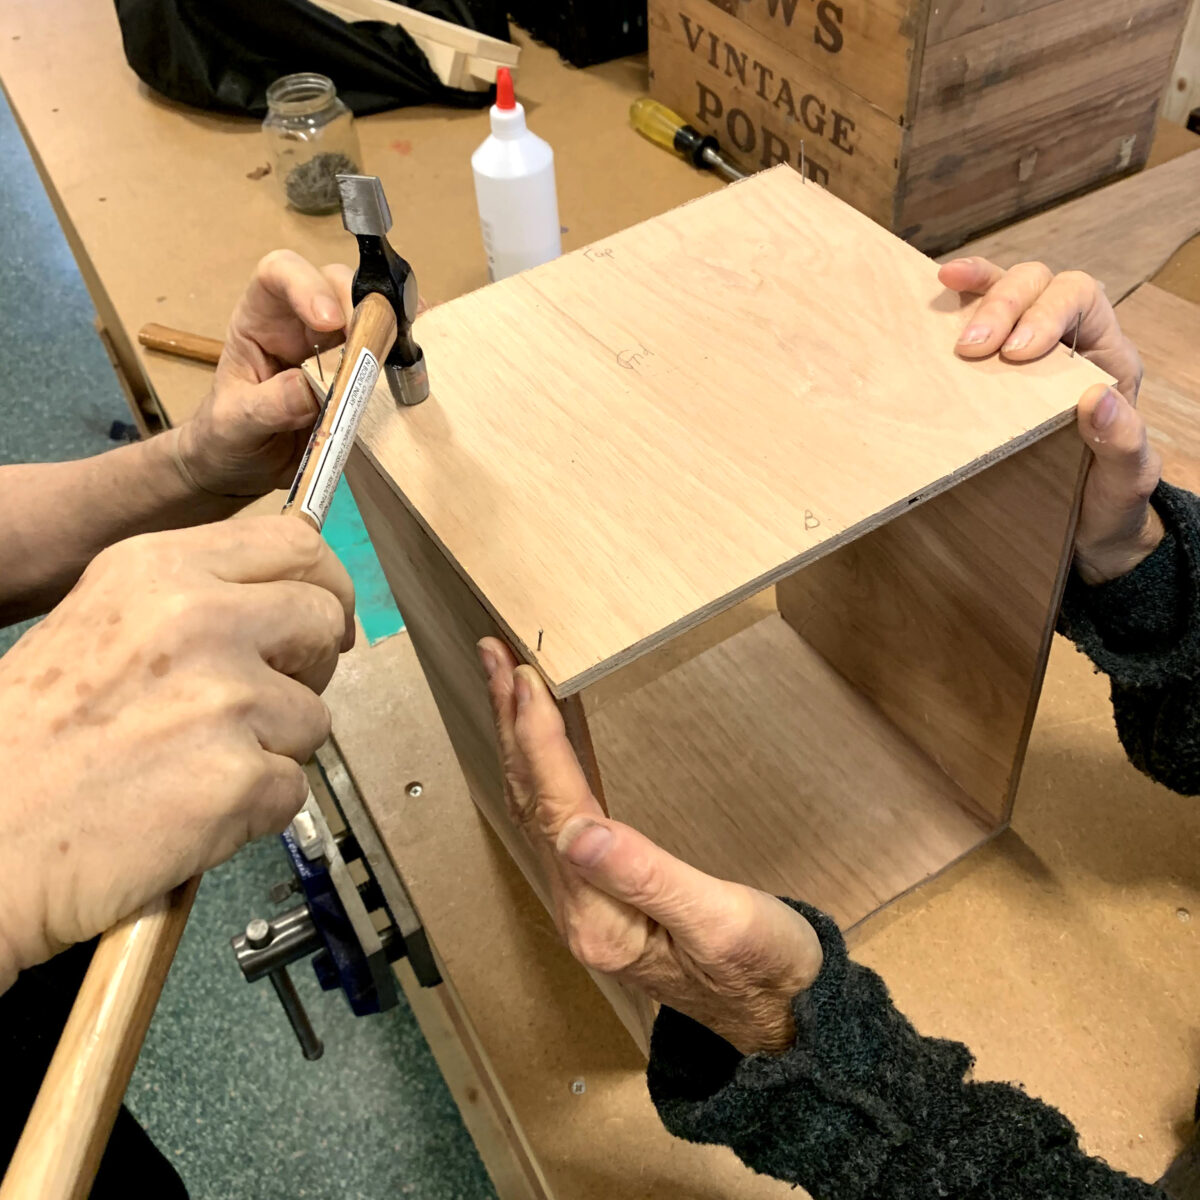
332,454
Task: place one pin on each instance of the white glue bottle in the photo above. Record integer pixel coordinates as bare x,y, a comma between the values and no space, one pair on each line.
514,188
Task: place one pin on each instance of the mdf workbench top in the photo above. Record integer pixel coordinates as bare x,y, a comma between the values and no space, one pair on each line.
632,438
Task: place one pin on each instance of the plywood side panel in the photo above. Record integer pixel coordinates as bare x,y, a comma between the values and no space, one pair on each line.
943,617
756,761
445,621
1020,111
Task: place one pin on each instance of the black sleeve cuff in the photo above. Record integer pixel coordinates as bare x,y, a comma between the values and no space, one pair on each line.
863,1108
1143,629
831,1112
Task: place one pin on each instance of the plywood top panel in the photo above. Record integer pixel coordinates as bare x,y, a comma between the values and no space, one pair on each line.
642,433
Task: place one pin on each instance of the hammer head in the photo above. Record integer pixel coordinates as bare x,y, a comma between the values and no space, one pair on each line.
365,214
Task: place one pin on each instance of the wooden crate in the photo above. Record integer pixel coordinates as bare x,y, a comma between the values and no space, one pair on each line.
938,118
790,564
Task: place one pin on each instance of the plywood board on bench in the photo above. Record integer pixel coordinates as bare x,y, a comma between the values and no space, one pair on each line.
1166,331
635,437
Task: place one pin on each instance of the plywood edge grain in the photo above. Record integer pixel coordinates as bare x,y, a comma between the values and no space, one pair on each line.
1066,558
584,679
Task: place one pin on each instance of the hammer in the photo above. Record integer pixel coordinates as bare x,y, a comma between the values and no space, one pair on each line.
68,1127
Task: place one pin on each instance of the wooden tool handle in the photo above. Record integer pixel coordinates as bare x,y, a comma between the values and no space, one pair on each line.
69,1124
371,335
65,1135
180,343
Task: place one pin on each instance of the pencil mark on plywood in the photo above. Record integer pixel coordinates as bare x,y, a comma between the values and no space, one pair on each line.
635,360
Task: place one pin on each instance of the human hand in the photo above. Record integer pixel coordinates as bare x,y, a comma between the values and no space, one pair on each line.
1023,313
156,719
250,433
729,956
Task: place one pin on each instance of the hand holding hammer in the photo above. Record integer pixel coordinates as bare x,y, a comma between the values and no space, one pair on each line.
69,1125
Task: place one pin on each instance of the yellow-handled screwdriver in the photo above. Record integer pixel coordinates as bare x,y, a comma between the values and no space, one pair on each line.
666,128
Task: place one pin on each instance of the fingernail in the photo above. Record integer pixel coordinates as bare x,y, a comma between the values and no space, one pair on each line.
326,311
1105,412
524,692
959,262
974,334
583,842
299,400
487,656
1021,338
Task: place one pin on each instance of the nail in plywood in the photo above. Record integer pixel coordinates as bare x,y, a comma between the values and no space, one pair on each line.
630,442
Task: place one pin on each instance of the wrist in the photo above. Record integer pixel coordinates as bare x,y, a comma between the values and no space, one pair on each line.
1105,562
178,463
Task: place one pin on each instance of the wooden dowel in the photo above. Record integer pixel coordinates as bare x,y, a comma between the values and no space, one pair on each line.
69,1124
68,1127
180,343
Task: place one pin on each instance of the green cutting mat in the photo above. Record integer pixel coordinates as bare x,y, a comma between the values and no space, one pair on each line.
346,533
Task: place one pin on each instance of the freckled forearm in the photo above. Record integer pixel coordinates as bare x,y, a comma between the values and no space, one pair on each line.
59,516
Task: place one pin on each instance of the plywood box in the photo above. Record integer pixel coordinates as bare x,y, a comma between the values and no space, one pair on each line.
938,118
789,563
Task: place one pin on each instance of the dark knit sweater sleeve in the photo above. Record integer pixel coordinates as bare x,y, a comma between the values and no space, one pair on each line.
1143,631
863,1108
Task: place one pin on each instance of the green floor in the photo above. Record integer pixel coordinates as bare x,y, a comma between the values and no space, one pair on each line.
221,1085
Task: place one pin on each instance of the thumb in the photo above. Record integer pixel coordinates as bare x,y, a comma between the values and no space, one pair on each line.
560,787
1125,469
631,868
282,404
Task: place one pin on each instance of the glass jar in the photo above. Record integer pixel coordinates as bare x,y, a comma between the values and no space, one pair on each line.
311,138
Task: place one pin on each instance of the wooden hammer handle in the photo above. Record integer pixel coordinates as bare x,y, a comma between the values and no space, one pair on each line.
180,343
68,1127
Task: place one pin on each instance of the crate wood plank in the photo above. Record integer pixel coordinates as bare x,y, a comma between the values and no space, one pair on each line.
1121,234
1166,331
729,80
640,435
1023,110
1183,90
870,45
943,617
445,620
953,18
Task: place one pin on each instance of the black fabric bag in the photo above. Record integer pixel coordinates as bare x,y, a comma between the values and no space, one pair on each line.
224,54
